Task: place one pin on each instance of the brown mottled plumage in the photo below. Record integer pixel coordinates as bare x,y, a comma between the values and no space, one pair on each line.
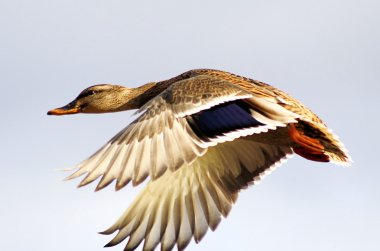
201,137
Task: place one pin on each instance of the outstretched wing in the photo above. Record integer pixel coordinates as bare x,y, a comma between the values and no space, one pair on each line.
183,204
177,126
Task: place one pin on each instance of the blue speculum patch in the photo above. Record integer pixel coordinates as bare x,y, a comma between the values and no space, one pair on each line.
222,119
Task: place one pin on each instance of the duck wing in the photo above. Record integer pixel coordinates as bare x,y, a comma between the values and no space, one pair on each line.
309,130
184,204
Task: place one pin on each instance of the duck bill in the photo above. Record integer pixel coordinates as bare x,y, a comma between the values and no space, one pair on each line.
70,108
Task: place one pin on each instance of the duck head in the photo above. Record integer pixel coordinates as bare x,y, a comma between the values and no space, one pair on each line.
97,99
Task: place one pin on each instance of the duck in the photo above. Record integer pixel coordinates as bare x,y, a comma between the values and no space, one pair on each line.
198,138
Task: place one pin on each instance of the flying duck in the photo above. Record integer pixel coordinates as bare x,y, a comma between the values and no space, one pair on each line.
200,138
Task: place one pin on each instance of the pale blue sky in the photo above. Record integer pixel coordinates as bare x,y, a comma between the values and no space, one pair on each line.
325,53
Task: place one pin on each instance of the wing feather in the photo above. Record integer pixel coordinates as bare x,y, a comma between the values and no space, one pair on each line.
183,204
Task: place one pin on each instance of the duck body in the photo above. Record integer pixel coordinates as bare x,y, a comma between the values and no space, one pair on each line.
200,137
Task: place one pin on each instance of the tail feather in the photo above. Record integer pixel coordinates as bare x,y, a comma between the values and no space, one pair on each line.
316,142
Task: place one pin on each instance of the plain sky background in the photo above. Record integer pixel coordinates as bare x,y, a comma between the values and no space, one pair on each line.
326,53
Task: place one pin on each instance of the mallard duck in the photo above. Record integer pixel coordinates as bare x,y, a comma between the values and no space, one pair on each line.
200,137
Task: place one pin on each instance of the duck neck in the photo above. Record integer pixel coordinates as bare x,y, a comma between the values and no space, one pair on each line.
141,95
138,96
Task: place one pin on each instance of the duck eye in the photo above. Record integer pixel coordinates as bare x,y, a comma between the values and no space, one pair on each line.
86,94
